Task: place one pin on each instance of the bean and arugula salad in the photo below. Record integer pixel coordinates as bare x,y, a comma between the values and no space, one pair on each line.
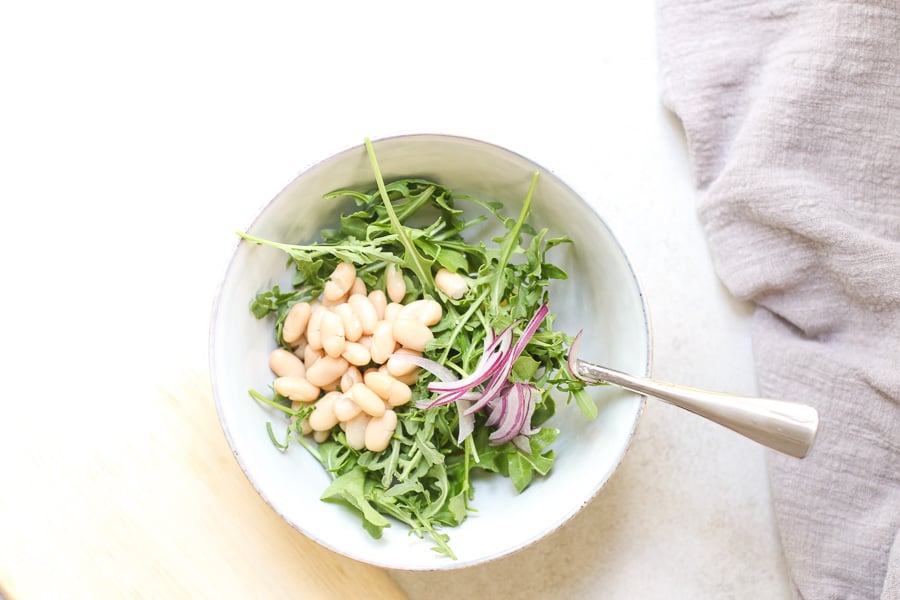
410,356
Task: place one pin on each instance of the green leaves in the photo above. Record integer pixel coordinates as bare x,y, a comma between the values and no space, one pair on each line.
350,488
423,479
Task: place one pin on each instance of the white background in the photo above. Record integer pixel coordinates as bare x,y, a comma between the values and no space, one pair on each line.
136,138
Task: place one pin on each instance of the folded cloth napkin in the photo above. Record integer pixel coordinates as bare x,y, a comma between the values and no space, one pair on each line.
791,112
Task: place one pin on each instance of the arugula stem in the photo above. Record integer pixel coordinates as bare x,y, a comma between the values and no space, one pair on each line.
462,322
260,398
509,245
412,207
322,249
416,262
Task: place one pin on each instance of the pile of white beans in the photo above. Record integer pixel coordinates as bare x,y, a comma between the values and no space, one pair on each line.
343,354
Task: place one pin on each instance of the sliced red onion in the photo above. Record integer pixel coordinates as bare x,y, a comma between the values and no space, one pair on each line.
518,401
522,443
433,367
511,405
466,422
506,364
486,367
573,354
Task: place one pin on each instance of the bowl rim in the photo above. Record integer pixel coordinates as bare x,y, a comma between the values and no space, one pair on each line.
457,564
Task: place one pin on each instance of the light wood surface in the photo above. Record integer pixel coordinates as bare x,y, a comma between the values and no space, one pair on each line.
160,512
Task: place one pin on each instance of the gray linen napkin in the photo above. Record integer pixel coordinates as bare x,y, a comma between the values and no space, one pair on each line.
792,116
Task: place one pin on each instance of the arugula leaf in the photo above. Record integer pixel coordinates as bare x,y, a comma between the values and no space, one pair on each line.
350,488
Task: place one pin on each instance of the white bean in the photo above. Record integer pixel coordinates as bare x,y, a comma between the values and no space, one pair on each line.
295,323
380,383
326,370
399,367
314,328
411,334
305,427
310,356
390,389
394,284
321,436
359,287
331,295
322,417
343,277
332,333
365,312
380,430
332,386
452,284
400,393
296,388
379,301
345,408
428,312
285,363
352,325
356,354
356,431
351,376
300,348
392,310
409,379
367,399
383,342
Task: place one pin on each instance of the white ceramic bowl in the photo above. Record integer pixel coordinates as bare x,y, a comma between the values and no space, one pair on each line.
602,297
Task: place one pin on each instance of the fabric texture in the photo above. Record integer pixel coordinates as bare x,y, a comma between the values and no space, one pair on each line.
791,112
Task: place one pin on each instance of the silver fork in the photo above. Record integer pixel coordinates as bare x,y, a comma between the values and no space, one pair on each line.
787,427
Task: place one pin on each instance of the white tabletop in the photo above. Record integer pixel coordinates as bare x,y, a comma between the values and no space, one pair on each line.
136,141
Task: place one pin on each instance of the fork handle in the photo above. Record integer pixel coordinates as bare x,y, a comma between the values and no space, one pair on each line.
787,427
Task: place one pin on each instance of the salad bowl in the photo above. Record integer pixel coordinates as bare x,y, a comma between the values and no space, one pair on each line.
601,296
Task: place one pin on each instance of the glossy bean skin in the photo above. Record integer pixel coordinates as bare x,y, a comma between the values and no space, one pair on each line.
356,431
351,376
356,354
399,367
400,393
326,370
394,285
338,286
295,323
411,334
367,400
296,388
332,333
314,328
410,379
380,383
345,408
322,417
452,284
352,325
359,287
365,312
284,363
310,356
428,312
380,430
383,342
379,301
392,311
